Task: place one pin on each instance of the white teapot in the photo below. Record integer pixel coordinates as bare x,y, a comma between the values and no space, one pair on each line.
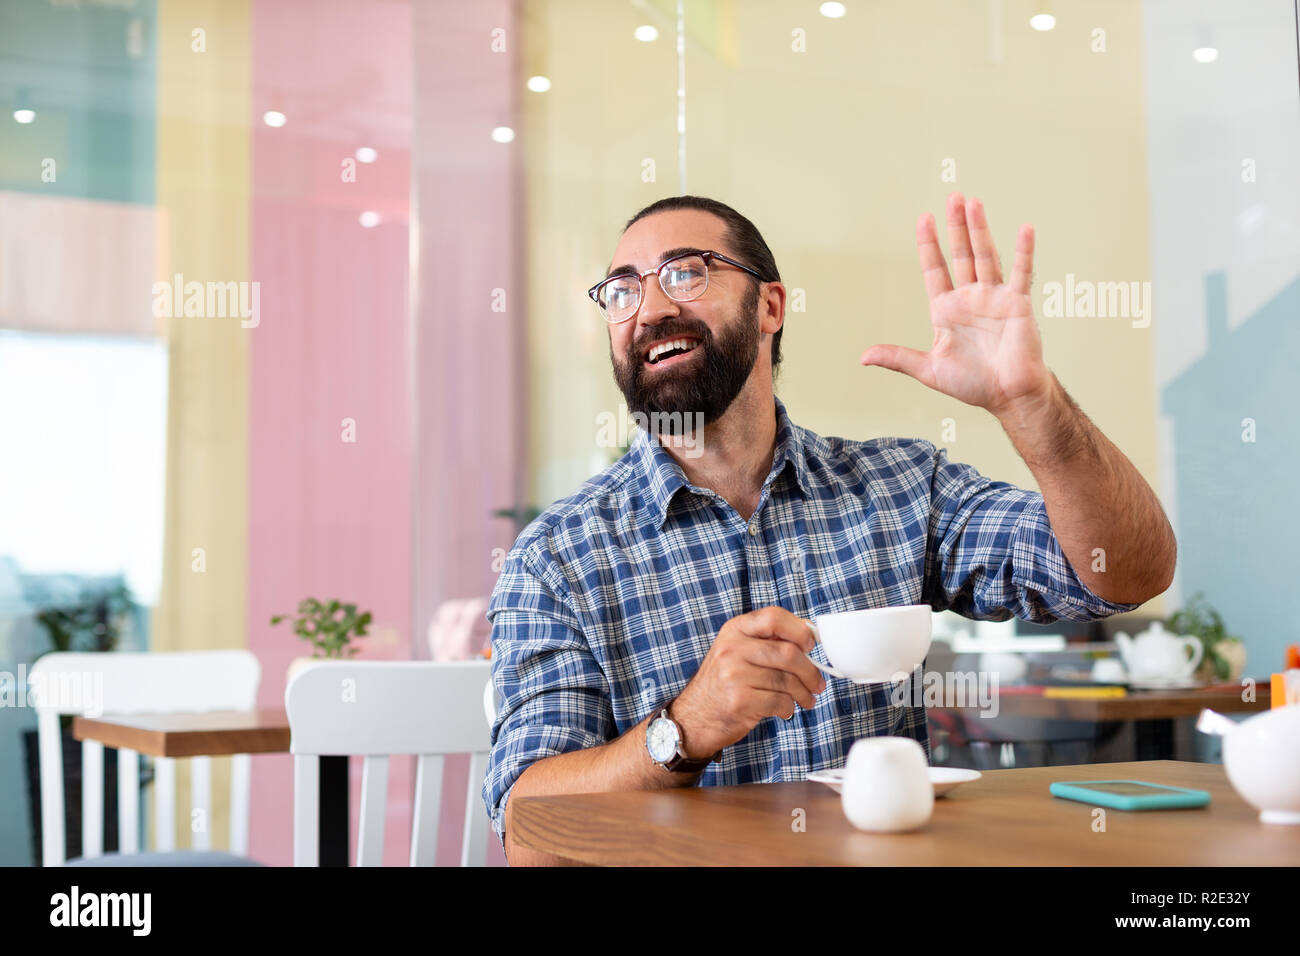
1158,655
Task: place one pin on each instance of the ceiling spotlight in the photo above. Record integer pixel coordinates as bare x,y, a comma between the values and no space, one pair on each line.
369,219
1205,54
1042,21
367,154
503,134
274,118
832,10
539,84
24,116
646,33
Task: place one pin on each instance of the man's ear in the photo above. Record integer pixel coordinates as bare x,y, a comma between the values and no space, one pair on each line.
771,308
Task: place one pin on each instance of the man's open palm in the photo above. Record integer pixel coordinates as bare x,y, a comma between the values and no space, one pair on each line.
986,349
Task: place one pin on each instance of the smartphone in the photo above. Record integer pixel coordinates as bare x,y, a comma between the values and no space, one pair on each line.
1129,794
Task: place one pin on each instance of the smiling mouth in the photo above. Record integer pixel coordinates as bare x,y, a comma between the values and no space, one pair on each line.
671,351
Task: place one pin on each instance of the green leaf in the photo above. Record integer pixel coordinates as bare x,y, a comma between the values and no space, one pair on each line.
329,628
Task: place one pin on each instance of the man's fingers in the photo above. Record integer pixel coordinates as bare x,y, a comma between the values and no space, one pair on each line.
776,705
788,658
784,684
777,622
1022,272
901,359
987,267
933,268
963,260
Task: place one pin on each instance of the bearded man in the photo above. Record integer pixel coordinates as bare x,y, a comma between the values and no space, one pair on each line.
651,630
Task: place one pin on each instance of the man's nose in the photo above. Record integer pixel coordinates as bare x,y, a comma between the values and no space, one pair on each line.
655,305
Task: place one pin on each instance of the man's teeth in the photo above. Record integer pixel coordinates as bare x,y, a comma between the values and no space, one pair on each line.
684,344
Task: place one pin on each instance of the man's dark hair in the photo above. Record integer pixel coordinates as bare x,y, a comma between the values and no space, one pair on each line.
746,242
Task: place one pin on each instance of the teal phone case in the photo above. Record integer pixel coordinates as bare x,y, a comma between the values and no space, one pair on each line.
1168,798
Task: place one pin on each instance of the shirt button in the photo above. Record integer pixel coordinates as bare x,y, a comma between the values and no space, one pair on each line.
753,529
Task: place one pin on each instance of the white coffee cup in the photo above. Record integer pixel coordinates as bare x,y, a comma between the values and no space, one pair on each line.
887,785
875,645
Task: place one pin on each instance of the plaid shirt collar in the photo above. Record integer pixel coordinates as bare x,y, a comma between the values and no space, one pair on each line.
663,477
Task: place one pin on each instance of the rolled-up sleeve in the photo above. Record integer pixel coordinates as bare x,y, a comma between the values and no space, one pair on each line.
992,554
553,696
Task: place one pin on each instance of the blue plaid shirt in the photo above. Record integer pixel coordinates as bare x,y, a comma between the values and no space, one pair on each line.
608,602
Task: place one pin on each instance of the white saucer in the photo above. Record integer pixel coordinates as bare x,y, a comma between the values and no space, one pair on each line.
943,779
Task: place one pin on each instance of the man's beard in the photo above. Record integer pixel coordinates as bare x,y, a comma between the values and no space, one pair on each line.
703,387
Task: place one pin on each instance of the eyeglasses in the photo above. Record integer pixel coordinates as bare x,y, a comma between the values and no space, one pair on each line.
682,278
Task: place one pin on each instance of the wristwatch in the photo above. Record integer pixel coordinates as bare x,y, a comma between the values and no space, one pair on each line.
663,739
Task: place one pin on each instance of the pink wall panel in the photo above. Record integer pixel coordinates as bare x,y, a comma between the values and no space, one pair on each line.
338,340
328,517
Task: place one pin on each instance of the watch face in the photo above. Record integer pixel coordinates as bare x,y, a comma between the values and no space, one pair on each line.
661,739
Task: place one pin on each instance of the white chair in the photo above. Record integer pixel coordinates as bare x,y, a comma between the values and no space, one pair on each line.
380,709
490,702
89,684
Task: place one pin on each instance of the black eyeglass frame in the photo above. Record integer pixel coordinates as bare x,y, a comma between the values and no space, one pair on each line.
707,255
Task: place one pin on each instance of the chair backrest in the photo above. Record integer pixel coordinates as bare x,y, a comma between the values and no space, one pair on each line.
490,703
95,684
379,709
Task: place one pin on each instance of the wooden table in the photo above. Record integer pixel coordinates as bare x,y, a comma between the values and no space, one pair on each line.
1136,705
217,733
1006,818
223,733
1152,711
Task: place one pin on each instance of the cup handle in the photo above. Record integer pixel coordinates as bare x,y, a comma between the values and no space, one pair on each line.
817,664
1198,650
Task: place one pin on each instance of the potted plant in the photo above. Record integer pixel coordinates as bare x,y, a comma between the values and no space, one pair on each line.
330,628
1225,654
93,622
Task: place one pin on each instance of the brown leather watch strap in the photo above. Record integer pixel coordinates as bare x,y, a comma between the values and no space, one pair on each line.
679,763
